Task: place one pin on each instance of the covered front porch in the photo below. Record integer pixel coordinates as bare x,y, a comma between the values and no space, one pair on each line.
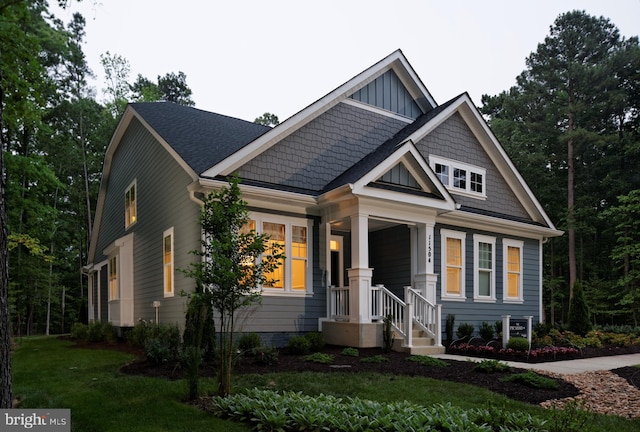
381,267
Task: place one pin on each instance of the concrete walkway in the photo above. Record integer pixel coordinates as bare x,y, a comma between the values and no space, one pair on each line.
565,366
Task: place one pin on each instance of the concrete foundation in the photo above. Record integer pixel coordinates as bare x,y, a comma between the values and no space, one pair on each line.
357,335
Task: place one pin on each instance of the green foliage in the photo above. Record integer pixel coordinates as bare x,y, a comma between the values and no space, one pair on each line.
374,359
80,332
316,341
579,316
267,119
248,342
350,352
486,331
491,366
449,324
265,355
518,344
387,334
498,327
573,417
428,361
299,345
532,379
269,410
162,343
465,330
98,331
234,262
318,357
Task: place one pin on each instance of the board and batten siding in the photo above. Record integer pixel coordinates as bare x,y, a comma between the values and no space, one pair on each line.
475,312
162,202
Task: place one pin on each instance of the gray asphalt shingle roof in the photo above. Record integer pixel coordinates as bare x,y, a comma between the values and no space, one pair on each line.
201,138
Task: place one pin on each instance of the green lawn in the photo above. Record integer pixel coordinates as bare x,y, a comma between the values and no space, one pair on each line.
51,373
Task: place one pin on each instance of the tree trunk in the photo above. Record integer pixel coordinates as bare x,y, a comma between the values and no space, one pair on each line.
5,333
570,204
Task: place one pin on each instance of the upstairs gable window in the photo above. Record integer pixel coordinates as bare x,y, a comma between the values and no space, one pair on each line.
460,178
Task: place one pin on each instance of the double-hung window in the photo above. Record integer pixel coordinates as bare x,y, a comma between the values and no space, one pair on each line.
292,235
512,269
167,262
453,265
130,208
484,268
459,177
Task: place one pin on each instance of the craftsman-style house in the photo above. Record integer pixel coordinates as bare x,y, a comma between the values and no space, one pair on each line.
387,204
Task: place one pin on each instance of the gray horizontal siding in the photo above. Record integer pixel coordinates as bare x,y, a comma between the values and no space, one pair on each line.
475,312
162,202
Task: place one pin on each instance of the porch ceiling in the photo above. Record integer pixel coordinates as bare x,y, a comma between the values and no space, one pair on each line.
374,224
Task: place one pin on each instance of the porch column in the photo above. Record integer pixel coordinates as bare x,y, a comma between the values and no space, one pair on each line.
424,278
360,274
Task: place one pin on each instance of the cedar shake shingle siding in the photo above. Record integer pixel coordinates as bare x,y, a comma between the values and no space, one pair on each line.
318,152
454,140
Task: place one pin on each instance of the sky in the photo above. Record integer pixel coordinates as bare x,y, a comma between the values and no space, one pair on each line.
243,58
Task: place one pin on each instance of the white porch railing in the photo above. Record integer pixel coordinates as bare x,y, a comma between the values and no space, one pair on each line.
339,303
414,310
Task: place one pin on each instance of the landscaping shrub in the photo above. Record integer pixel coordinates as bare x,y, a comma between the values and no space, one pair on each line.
299,345
95,332
486,331
448,327
491,366
248,342
162,343
464,330
518,344
387,334
138,334
79,332
579,315
318,357
351,352
265,355
316,341
428,361
374,359
532,379
498,327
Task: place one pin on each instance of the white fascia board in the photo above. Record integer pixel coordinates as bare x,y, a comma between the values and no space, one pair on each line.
266,198
498,225
395,61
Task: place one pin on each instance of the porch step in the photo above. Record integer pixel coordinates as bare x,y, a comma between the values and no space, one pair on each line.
422,345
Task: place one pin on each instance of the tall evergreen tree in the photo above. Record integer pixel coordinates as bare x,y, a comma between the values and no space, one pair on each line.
566,125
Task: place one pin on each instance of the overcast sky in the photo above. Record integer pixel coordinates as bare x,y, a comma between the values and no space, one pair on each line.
244,58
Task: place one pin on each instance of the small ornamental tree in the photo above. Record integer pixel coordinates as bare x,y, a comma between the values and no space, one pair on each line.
235,263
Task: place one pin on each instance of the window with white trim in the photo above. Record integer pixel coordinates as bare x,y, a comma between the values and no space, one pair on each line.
512,269
460,177
113,278
167,262
293,275
453,265
484,280
130,208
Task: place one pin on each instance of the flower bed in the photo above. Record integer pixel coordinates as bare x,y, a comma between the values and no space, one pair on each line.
539,354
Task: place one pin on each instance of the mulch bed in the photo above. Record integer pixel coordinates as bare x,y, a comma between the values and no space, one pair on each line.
456,371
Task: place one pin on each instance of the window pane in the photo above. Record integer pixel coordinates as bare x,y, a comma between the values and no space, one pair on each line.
248,227
454,251
514,285
453,281
443,173
276,232
476,182
167,249
299,242
299,274
484,283
459,178
485,256
275,279
513,257
168,279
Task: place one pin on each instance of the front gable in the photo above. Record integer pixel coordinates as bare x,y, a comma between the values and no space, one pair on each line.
405,177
